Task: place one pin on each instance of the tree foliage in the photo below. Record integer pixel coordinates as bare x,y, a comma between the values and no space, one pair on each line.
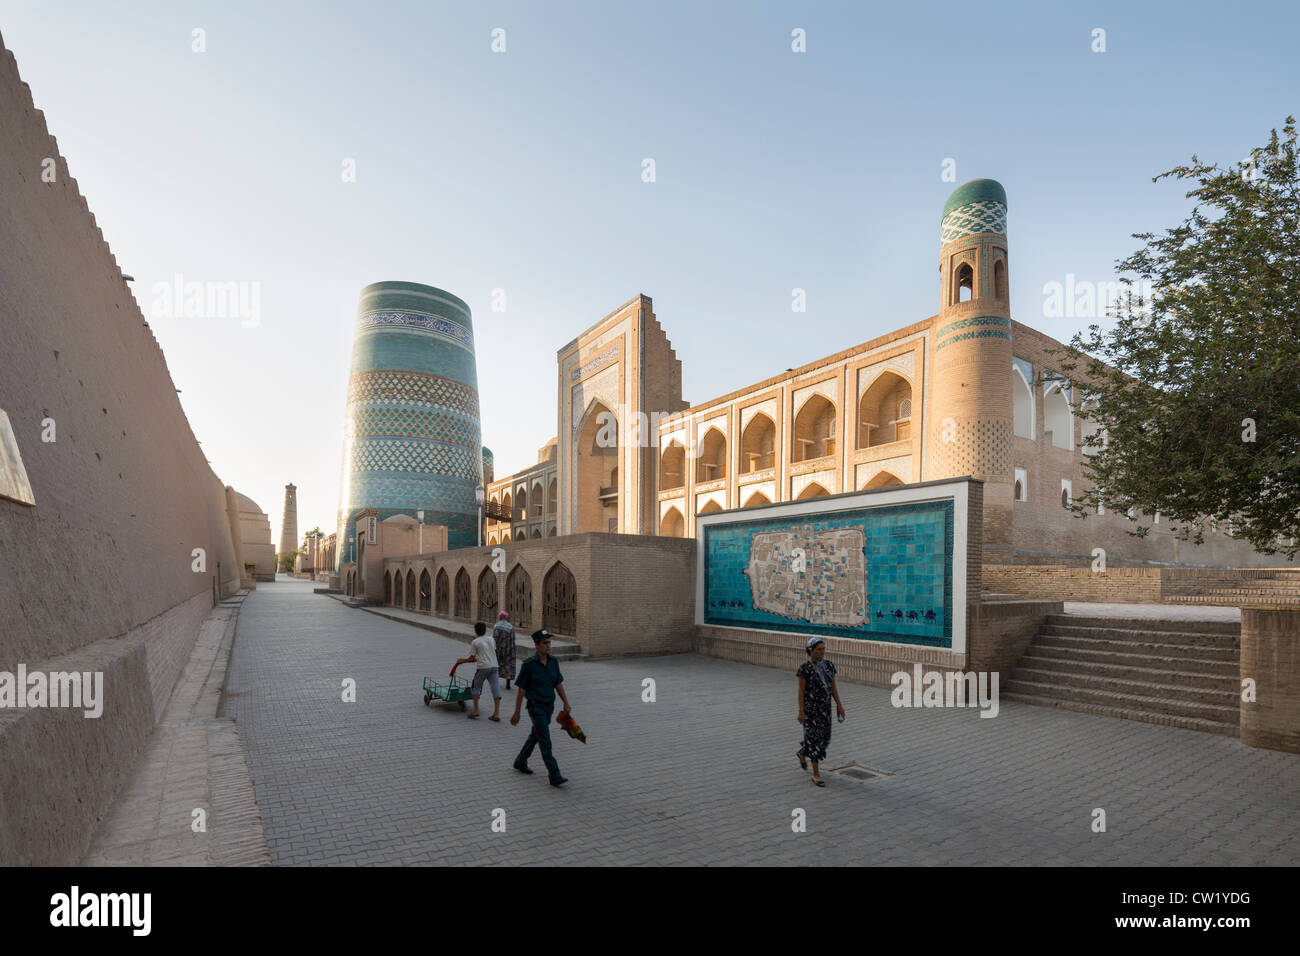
1197,383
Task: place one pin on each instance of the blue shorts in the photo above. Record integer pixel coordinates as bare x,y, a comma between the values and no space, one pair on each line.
488,674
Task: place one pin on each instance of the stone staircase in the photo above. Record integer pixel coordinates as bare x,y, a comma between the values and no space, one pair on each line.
1177,673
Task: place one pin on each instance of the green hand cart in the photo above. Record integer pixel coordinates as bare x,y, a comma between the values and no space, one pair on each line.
456,692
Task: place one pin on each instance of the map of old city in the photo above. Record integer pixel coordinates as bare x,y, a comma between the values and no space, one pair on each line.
819,577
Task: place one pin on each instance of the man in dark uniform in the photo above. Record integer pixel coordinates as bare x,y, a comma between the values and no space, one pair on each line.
540,679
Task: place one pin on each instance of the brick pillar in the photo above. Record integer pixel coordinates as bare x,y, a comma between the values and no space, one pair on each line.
1270,654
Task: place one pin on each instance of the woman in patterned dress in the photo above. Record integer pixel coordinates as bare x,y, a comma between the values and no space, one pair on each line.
816,690
504,636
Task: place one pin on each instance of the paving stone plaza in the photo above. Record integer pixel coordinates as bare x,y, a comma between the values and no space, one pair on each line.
706,774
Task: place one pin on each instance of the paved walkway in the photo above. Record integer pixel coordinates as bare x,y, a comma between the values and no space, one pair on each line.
194,761
707,774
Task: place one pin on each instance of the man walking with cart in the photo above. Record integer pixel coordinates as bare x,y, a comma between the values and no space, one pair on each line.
485,656
540,680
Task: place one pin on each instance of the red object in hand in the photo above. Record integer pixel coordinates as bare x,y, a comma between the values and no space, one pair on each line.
570,726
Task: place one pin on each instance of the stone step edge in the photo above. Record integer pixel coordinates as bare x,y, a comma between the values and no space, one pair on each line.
1148,624
1033,662
1185,637
1098,710
1174,691
1103,645
1076,657
1140,703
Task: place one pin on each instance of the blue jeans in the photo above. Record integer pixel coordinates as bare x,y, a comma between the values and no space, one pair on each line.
540,714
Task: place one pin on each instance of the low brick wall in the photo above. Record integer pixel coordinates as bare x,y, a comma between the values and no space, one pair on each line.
1270,654
1118,585
1003,631
856,661
999,633
1123,585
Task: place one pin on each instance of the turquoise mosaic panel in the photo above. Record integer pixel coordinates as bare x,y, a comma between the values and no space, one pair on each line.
908,553
985,216
980,334
386,348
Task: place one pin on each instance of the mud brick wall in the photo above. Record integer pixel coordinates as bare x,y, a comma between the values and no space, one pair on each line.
97,576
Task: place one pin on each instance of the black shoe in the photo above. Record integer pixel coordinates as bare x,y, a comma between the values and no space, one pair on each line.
559,781
522,768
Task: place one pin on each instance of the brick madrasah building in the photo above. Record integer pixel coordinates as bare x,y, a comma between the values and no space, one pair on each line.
967,391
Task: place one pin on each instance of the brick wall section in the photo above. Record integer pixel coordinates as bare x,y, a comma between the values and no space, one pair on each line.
1120,585
856,661
1270,653
97,576
1003,632
635,593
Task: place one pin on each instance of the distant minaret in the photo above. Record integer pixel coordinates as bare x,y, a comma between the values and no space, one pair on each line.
289,526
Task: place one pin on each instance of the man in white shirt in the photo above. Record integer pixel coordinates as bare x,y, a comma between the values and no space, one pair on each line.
485,656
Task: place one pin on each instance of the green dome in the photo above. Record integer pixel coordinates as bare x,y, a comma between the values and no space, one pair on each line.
977,190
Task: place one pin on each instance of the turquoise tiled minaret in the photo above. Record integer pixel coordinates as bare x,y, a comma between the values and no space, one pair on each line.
975,207
412,438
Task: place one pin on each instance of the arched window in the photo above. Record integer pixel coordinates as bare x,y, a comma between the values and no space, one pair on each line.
560,601
410,590
758,445
712,462
1020,490
552,497
1000,279
388,587
399,591
964,283
756,499
672,466
463,609
814,430
521,499
881,417
1058,420
710,507
672,524
425,597
519,597
883,479
487,596
814,490
441,593
1022,400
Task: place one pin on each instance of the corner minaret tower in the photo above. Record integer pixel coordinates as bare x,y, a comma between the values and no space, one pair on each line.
970,423
289,522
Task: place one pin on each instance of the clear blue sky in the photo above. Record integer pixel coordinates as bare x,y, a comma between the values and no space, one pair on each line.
522,171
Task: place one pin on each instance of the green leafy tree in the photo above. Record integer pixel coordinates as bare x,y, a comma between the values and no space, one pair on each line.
1197,383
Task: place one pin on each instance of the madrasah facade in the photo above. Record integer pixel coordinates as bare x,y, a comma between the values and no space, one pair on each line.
966,391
